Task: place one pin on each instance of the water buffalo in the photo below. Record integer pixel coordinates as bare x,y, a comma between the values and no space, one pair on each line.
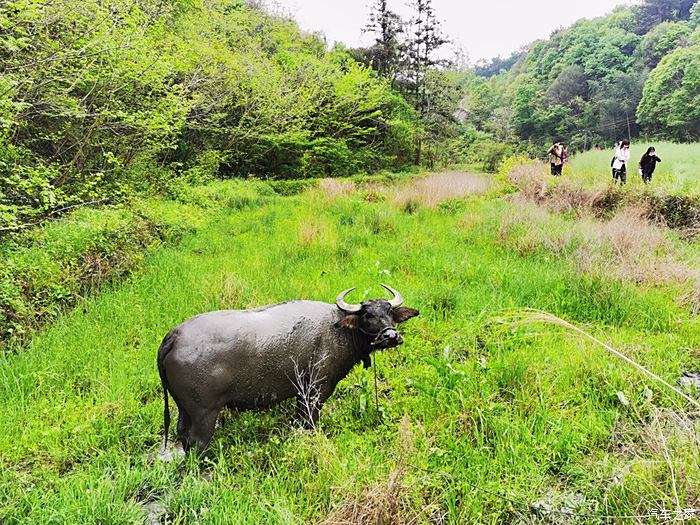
253,359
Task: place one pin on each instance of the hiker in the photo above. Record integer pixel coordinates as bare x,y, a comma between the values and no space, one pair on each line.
556,160
619,162
648,164
598,148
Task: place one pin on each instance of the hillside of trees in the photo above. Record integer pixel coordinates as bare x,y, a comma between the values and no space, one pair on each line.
102,99
635,72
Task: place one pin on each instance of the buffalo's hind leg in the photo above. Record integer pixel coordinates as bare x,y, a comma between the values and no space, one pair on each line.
202,429
184,422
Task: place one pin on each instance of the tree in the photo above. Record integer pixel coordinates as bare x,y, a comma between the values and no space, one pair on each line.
616,98
105,97
425,38
670,105
490,68
695,15
652,12
525,102
661,40
572,83
386,54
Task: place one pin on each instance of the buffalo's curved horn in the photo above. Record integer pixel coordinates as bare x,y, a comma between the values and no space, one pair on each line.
346,307
397,300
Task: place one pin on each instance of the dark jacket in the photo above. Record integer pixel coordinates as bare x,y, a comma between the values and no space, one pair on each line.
648,163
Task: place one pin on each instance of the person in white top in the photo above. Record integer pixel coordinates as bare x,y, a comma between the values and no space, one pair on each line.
619,163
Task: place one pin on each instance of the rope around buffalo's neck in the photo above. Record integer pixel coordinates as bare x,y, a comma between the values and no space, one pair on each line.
376,393
357,344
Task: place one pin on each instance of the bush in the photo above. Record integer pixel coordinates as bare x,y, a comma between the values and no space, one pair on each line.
53,266
161,109
59,263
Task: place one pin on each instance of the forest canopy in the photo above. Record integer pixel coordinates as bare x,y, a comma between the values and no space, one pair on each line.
102,98
632,72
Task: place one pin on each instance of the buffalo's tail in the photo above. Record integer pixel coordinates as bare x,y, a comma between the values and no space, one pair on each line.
163,351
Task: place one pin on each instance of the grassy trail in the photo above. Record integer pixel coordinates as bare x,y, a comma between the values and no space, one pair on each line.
469,406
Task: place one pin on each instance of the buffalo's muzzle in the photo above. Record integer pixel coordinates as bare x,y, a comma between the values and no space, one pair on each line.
389,338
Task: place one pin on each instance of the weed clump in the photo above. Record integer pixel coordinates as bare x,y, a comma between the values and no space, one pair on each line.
389,502
433,190
627,246
333,189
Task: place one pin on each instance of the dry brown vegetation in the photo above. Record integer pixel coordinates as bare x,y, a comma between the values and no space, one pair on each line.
380,505
534,184
389,502
627,246
564,195
334,188
434,189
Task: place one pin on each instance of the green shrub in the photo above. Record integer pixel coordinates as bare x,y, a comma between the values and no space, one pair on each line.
292,187
181,94
58,264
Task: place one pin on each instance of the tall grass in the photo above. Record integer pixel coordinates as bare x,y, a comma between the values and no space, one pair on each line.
626,246
437,188
674,204
678,173
473,414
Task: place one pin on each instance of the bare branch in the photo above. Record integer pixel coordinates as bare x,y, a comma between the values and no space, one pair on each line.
308,382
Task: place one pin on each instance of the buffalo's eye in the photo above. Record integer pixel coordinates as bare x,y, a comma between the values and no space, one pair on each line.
369,316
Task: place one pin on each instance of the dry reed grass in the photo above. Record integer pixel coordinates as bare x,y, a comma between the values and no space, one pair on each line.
530,179
628,246
535,184
387,503
381,505
434,189
333,189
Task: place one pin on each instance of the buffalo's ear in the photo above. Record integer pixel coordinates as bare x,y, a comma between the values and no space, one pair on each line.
348,322
403,314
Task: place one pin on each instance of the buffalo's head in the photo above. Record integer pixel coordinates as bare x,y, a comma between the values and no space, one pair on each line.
376,319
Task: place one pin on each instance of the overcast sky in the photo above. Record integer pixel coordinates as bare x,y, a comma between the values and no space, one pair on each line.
483,28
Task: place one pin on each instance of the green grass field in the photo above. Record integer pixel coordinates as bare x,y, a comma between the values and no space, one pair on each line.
678,173
480,415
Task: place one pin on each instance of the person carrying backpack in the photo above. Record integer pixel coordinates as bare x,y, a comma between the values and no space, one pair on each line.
556,160
619,162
